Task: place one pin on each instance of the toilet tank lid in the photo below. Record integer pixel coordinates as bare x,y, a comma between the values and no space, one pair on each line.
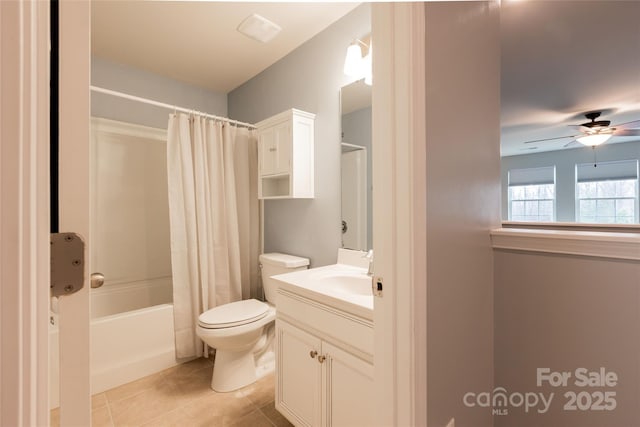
283,260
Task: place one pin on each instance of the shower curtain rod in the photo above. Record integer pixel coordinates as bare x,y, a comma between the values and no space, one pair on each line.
168,106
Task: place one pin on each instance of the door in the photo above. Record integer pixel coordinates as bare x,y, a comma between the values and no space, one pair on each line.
73,125
348,389
275,148
299,375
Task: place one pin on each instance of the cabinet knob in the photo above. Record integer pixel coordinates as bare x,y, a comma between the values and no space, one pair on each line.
321,359
313,354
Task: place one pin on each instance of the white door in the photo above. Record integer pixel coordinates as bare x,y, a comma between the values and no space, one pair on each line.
299,375
399,210
275,147
74,124
349,389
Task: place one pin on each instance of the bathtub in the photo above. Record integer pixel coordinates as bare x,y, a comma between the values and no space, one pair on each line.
124,346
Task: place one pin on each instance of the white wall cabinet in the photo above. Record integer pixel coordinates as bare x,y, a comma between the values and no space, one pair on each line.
285,155
321,381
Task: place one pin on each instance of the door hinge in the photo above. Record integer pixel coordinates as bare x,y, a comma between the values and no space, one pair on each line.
67,264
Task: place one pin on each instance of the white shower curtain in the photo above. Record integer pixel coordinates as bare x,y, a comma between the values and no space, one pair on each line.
213,212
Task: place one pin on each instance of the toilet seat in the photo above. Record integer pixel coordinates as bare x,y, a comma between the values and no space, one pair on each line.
233,314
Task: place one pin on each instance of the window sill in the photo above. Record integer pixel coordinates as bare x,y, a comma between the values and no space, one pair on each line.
602,244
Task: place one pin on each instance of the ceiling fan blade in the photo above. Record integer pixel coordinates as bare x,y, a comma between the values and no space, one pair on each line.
569,143
627,125
627,132
580,128
550,139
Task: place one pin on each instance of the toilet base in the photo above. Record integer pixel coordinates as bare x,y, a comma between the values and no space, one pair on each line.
233,370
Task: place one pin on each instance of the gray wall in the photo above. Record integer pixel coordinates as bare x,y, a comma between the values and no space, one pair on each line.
563,313
565,162
309,79
133,81
356,129
463,204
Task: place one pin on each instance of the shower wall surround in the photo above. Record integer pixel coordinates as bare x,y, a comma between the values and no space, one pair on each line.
129,217
309,79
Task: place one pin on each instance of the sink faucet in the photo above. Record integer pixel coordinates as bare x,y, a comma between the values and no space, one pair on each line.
369,256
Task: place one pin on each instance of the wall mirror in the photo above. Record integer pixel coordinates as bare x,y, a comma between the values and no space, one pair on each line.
355,100
570,70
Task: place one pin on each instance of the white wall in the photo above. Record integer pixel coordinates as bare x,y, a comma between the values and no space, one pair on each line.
309,79
565,162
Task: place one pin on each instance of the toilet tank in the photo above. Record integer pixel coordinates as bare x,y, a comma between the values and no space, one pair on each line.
277,263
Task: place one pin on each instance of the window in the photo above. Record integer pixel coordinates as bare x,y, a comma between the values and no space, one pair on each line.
532,194
607,192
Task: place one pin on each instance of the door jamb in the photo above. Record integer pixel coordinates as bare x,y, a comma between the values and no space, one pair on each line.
399,206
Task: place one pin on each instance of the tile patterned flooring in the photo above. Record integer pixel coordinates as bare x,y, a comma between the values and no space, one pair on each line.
182,396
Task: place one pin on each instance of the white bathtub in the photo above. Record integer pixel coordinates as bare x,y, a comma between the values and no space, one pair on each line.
124,347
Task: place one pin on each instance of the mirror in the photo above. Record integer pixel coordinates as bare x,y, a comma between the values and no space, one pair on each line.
561,61
355,100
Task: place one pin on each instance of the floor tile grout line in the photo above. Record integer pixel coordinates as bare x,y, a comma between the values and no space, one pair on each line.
272,422
113,423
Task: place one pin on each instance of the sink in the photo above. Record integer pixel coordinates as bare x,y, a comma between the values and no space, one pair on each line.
343,286
351,283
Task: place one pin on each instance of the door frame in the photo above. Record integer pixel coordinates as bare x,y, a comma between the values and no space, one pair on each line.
399,205
24,212
399,212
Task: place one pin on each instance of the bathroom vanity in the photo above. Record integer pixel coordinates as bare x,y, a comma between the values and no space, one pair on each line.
324,347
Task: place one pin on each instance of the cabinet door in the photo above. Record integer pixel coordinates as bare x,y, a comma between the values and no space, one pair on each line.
298,375
283,146
267,147
348,389
275,149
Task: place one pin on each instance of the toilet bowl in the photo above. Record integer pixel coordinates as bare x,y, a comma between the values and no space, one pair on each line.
242,331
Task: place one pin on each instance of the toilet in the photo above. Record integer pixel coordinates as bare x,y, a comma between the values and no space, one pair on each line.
242,332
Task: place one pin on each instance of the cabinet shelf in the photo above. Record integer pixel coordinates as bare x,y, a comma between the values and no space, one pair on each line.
285,155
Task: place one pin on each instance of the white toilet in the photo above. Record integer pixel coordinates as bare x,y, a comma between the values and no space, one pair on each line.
242,332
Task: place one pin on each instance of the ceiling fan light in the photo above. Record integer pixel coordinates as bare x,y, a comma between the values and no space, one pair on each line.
594,139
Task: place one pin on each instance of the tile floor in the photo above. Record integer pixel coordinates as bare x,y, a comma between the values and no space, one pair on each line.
182,396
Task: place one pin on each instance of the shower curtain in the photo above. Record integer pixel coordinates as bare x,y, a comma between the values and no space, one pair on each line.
213,213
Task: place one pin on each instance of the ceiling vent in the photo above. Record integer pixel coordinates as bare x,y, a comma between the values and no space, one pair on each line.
259,28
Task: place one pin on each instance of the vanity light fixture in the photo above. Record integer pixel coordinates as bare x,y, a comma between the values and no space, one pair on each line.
594,139
355,65
353,60
259,28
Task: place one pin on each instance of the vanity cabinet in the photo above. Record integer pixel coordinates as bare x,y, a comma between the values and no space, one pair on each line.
320,379
285,155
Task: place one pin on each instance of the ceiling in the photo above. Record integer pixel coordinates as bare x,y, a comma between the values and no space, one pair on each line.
197,42
561,59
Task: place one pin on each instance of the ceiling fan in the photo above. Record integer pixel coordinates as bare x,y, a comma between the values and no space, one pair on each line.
596,132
